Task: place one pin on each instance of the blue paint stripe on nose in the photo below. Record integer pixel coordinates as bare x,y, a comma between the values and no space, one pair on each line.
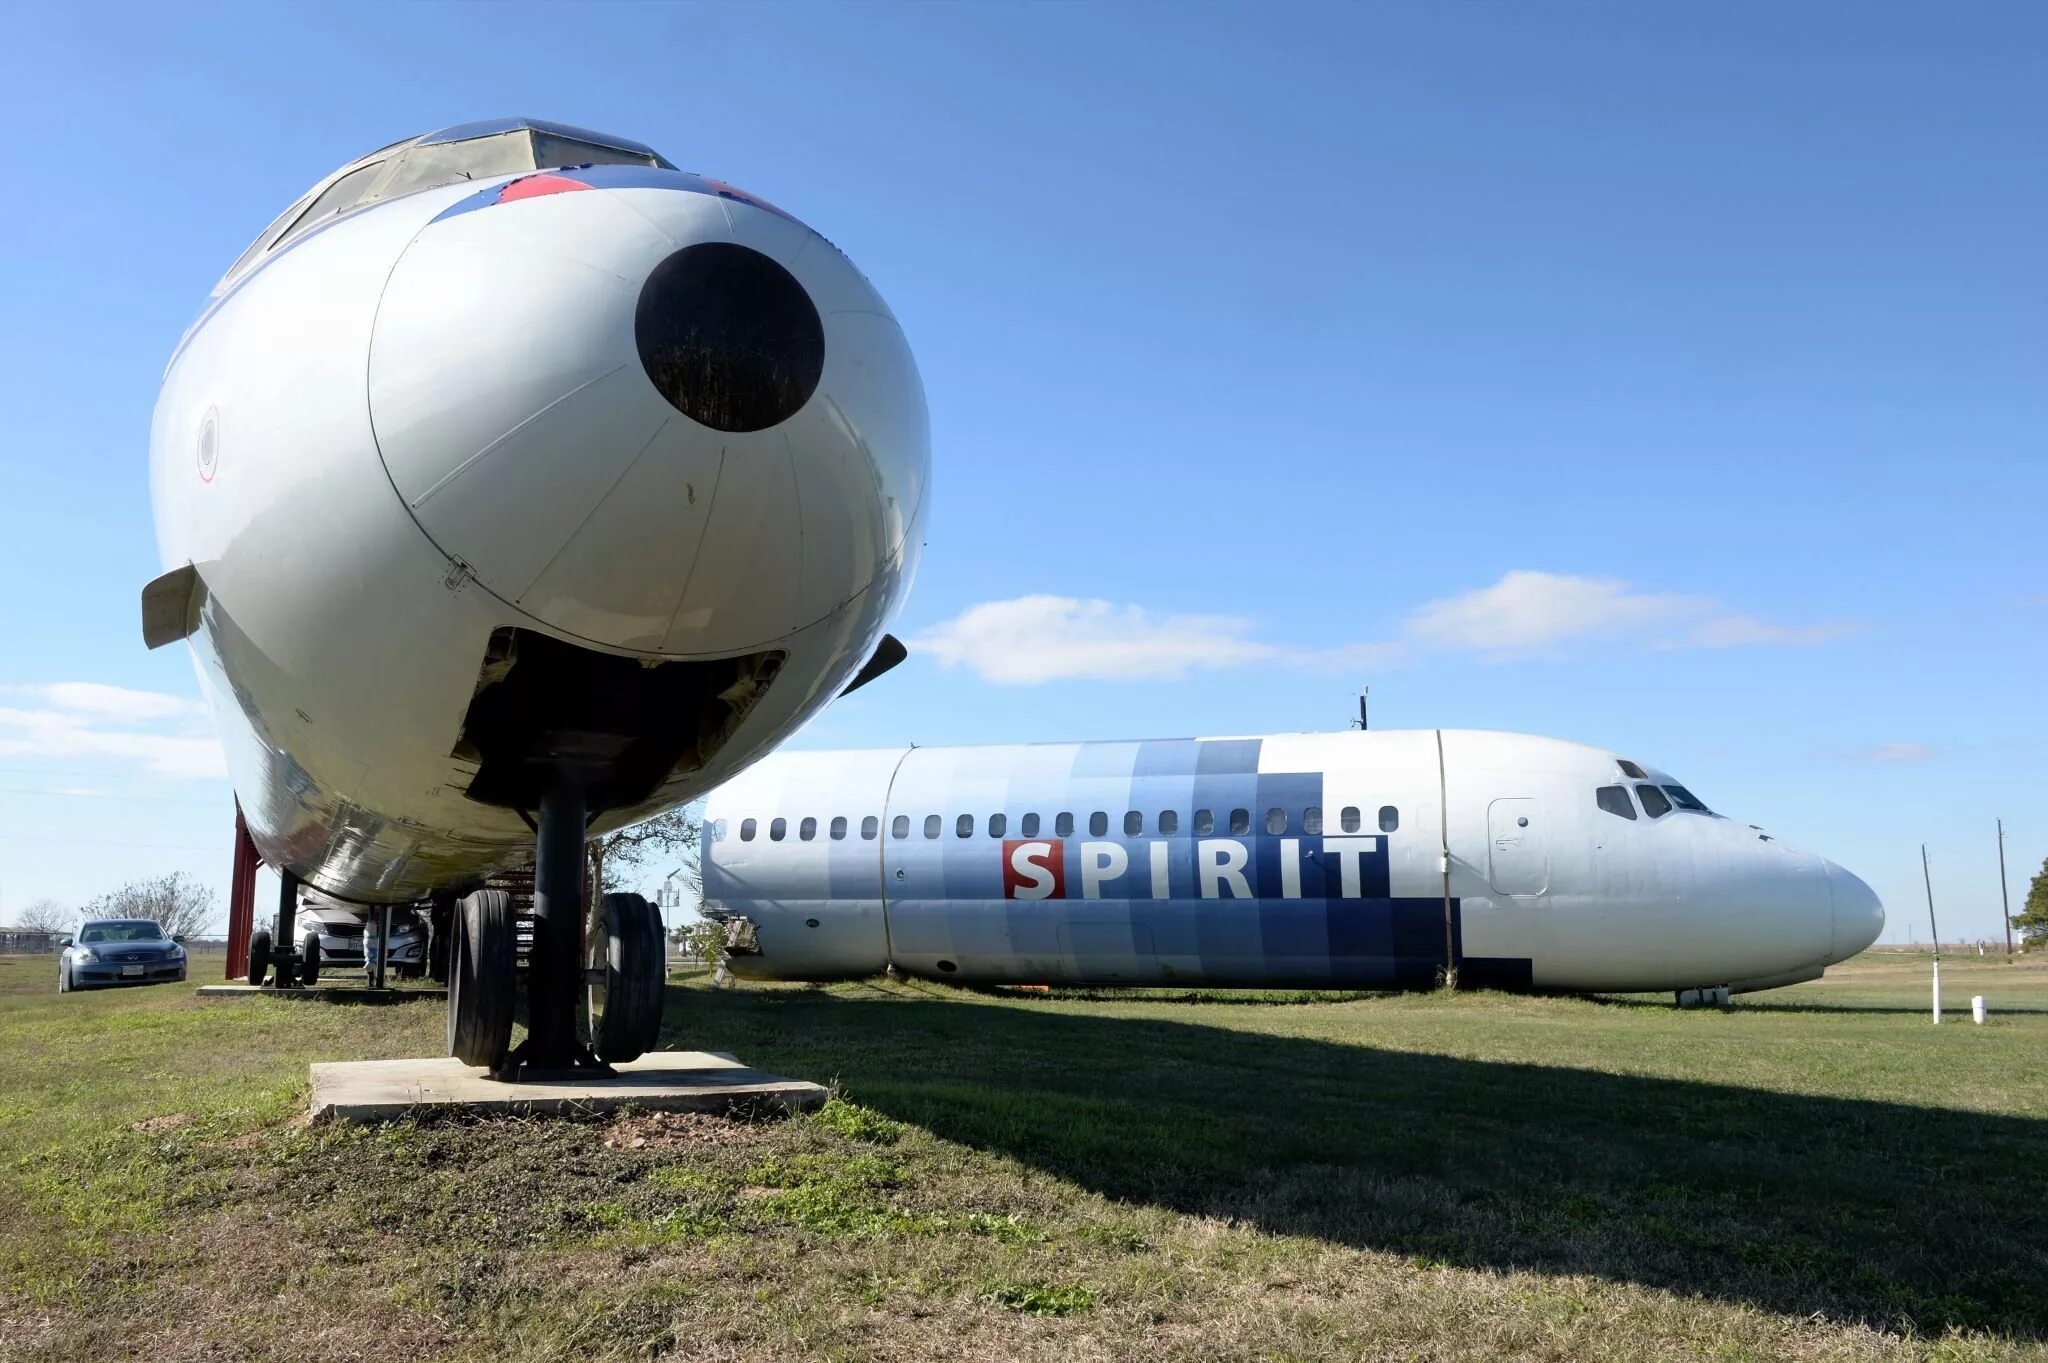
619,177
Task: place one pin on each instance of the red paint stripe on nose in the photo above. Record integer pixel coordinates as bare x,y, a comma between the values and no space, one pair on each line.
533,186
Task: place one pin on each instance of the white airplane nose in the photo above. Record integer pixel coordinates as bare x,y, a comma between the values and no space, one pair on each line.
1859,914
650,417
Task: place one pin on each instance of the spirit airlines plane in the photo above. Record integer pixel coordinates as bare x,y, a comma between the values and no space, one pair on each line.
1362,859
514,486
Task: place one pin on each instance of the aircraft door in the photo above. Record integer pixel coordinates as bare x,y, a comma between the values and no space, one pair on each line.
1519,860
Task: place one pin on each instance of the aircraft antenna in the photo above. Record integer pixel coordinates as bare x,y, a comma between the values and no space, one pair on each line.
1364,720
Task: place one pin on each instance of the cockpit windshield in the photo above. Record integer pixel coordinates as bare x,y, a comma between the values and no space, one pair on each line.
1685,799
473,151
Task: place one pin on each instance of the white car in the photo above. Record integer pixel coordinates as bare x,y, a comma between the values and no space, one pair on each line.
332,934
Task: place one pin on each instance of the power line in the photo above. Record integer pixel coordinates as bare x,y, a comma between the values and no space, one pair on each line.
109,842
109,795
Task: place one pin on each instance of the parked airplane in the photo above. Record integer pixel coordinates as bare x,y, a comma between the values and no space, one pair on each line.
1362,859
516,485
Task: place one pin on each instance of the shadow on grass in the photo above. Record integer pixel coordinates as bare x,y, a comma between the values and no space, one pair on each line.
1869,1211
1951,1010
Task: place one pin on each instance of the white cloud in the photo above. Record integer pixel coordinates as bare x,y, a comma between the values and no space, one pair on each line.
1529,611
116,703
1533,613
1033,639
1897,752
91,720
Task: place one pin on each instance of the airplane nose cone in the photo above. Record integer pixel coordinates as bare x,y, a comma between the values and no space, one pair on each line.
1859,915
658,416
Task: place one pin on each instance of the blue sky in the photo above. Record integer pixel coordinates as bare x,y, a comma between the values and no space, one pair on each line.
1669,378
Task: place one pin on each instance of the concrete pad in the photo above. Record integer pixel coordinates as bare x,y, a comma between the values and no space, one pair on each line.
663,1081
320,993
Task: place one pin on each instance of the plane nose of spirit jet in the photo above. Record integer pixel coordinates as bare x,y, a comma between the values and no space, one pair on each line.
1859,914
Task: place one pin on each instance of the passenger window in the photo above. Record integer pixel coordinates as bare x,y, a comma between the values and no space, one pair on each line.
1029,826
998,824
1134,823
1614,799
1654,803
1390,818
747,829
1276,820
1063,825
963,827
1312,821
869,827
932,824
1347,818
899,827
1098,824
1240,821
838,827
1205,823
1685,799
808,829
778,830
1169,822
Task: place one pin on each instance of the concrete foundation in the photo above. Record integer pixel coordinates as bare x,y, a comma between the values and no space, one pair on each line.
665,1081
321,993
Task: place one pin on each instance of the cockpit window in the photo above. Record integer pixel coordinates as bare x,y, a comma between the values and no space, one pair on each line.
1654,803
1685,799
1631,770
1614,799
474,152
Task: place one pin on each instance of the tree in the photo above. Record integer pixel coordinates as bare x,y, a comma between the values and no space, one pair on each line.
45,915
672,834
177,903
2032,919
703,940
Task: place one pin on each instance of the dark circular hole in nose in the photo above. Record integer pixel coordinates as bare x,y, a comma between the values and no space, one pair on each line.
729,337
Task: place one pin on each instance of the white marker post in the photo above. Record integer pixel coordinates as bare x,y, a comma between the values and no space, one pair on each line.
1927,877
1977,1009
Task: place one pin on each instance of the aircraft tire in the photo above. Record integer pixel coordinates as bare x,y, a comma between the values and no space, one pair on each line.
481,979
259,955
628,979
309,960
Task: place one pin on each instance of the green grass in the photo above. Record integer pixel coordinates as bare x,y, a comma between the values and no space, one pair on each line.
1813,1173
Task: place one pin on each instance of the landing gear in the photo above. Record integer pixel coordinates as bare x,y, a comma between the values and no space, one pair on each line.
259,955
480,979
624,981
554,971
440,936
627,978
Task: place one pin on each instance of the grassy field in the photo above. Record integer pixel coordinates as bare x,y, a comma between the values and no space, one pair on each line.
1816,1173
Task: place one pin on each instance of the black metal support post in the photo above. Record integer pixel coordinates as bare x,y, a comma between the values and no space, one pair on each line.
554,972
287,910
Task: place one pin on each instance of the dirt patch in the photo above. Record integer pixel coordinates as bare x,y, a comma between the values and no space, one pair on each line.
156,1126
671,1130
248,1140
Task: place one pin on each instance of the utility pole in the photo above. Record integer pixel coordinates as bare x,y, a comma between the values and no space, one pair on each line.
1928,878
2004,895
